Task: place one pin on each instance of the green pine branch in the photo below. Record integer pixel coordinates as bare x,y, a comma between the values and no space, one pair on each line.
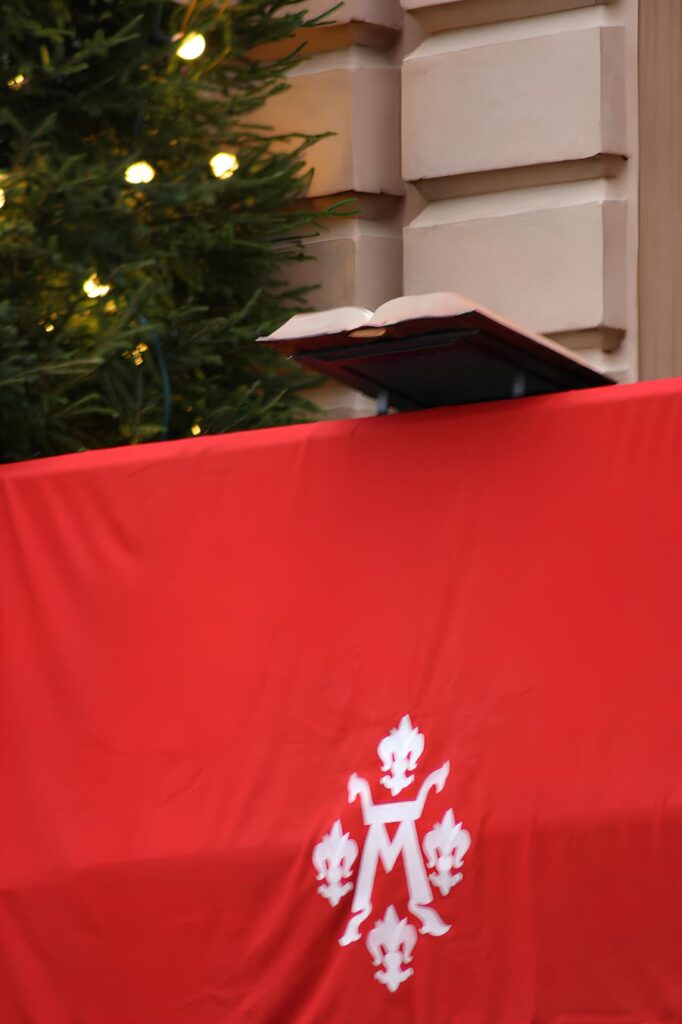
184,271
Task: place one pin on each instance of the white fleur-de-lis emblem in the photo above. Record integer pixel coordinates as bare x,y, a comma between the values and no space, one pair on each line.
393,938
391,942
445,846
399,753
333,858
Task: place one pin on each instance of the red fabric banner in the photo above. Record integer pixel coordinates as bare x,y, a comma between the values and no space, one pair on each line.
370,721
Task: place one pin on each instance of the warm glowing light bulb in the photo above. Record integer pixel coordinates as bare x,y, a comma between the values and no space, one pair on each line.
138,353
48,328
191,46
2,198
139,173
94,289
223,164
17,81
195,428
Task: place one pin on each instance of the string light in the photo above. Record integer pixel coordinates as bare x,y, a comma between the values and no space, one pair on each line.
17,81
2,198
191,46
48,323
139,173
195,429
223,164
94,289
137,353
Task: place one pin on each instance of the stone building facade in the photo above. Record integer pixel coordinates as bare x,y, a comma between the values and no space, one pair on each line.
525,153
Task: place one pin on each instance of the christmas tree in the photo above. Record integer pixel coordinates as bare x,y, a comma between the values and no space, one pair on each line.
147,221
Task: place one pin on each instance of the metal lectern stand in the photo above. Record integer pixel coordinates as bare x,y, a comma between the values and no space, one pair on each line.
430,356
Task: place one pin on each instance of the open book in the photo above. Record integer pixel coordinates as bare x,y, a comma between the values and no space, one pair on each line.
363,323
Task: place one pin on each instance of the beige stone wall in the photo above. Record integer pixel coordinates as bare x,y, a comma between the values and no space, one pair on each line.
527,166
660,195
490,148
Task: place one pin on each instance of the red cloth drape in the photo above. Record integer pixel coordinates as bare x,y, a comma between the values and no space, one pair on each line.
202,641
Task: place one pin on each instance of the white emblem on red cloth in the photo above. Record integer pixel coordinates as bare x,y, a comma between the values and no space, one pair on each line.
399,753
445,846
392,939
391,942
333,859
